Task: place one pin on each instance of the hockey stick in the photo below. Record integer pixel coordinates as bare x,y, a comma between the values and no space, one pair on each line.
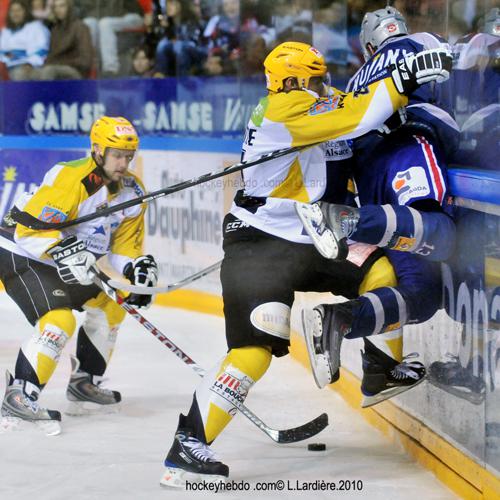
279,436
28,220
151,290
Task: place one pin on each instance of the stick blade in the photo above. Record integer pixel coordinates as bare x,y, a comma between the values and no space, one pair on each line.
304,431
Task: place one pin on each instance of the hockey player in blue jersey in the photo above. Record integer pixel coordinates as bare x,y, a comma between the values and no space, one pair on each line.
420,226
403,177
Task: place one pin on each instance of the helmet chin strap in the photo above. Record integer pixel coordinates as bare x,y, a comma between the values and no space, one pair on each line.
311,92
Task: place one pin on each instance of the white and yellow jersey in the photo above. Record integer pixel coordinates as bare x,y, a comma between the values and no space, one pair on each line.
74,189
298,118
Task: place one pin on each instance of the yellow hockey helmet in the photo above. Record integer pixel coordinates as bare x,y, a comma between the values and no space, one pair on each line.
296,59
113,132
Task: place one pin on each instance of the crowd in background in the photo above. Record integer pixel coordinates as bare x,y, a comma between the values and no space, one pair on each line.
74,39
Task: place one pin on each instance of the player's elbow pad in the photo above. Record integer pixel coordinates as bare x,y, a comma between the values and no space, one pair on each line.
430,234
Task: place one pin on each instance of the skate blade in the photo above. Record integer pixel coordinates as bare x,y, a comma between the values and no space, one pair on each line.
174,477
312,219
16,424
387,394
84,408
320,367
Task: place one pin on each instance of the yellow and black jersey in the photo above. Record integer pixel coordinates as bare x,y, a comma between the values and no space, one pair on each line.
298,118
74,189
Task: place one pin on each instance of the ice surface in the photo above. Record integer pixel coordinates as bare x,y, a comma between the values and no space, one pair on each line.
120,456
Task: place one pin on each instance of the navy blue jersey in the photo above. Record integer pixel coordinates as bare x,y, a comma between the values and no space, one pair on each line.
403,169
431,104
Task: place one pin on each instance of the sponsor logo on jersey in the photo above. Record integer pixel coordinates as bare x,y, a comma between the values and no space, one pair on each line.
59,293
337,150
51,214
410,184
374,69
326,104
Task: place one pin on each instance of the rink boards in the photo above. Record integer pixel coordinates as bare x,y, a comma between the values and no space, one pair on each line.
455,433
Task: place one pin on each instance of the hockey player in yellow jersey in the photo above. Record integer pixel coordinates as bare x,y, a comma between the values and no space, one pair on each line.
267,255
49,274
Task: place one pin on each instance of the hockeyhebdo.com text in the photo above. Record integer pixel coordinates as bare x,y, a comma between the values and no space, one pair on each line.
288,485
235,182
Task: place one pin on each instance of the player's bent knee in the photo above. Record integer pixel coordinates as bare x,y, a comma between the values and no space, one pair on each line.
60,318
252,360
380,274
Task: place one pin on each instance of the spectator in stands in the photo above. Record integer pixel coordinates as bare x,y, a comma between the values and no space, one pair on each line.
24,43
293,20
256,17
253,52
42,10
105,19
330,37
181,52
222,34
71,52
143,62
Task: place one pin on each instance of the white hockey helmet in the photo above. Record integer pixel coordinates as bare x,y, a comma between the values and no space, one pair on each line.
492,22
378,26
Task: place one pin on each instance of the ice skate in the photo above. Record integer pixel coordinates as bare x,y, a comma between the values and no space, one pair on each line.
329,226
20,409
452,377
324,328
384,377
86,396
191,460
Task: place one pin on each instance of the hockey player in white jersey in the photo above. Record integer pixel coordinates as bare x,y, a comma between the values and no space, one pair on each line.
49,274
267,256
401,182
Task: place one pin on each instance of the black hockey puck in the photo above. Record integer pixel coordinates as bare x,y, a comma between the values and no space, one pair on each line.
316,447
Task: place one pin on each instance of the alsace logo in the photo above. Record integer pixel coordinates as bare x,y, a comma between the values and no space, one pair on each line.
51,214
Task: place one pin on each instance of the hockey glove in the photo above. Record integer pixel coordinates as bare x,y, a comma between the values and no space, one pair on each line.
416,69
394,121
73,261
143,271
